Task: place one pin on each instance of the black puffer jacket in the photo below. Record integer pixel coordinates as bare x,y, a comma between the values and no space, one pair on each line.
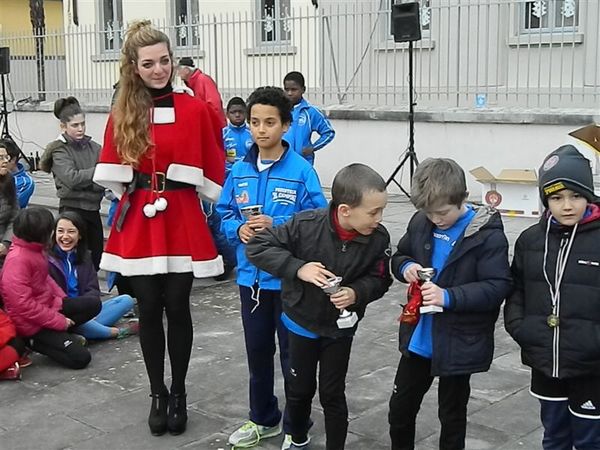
573,348
310,236
477,277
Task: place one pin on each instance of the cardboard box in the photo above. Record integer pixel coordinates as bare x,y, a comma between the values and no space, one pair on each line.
514,192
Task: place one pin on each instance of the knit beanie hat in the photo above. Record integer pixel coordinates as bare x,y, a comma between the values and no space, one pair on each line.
566,168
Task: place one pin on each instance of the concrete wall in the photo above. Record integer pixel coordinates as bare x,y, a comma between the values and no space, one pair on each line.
380,143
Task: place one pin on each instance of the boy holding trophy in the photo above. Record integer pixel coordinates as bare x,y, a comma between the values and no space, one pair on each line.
332,263
455,255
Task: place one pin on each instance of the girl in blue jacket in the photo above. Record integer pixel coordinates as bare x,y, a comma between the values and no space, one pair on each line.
72,269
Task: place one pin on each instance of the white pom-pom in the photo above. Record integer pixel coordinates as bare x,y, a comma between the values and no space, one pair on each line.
149,210
161,204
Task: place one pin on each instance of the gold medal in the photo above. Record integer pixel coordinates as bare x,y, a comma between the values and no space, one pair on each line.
552,320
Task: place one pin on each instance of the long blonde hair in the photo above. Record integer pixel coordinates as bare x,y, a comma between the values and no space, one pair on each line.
131,116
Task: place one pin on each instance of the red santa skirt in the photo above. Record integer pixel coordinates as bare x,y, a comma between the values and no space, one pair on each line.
174,240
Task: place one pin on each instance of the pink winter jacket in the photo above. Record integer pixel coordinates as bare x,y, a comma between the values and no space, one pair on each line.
206,89
32,299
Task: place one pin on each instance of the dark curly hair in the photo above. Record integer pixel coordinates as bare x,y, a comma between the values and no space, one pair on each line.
272,96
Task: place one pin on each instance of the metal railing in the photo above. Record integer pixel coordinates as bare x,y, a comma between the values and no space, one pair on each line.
474,53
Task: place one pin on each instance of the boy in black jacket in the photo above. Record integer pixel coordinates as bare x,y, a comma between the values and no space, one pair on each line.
554,312
345,240
466,246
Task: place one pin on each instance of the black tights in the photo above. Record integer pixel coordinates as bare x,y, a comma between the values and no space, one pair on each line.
169,293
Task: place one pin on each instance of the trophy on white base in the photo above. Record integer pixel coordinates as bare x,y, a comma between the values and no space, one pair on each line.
251,210
347,319
426,274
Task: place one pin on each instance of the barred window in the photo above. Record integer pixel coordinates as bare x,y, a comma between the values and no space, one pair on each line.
112,24
275,23
187,17
549,16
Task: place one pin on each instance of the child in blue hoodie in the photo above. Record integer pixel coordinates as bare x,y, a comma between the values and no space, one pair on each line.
306,119
237,138
278,183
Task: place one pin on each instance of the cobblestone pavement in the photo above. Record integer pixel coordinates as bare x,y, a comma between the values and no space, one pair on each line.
105,406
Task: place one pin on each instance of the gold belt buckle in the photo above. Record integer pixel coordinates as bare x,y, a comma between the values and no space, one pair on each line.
161,181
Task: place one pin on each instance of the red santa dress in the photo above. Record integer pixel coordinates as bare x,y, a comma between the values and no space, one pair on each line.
188,149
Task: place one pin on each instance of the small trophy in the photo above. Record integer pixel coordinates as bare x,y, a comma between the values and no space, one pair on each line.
347,319
252,210
426,274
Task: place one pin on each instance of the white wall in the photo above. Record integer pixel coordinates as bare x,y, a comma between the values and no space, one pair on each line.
378,143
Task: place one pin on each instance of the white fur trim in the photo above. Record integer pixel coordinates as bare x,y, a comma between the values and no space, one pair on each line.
183,90
185,174
163,115
113,176
161,264
210,191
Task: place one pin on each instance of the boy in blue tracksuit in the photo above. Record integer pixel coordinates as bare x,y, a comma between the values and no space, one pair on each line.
237,138
306,119
282,183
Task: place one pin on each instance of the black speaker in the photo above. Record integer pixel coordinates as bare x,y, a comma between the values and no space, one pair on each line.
4,60
406,22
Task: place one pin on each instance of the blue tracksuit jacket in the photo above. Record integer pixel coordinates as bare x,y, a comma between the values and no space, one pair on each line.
288,186
307,119
24,185
237,140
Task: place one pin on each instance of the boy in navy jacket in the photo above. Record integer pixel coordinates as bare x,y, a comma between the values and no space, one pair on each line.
345,240
275,183
306,119
554,312
467,247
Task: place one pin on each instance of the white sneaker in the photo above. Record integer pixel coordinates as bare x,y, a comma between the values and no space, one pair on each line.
250,434
288,444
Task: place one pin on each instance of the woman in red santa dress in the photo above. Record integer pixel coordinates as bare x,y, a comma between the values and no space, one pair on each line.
162,150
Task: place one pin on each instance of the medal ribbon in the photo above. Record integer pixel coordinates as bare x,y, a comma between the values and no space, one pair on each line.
561,264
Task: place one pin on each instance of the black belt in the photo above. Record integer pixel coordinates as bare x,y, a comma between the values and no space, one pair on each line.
144,181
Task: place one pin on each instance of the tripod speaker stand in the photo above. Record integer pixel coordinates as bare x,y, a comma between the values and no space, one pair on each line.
4,71
406,27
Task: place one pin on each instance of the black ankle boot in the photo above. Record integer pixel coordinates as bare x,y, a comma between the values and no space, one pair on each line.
157,420
177,420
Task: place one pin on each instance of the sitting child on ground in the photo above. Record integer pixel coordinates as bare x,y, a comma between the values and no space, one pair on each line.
71,266
35,303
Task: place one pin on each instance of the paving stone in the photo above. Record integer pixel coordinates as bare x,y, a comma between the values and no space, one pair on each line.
106,405
517,414
54,432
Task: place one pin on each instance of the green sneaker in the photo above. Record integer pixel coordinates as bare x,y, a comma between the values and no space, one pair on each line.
250,434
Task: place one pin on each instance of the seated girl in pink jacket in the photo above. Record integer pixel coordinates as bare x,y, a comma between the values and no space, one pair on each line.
39,309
